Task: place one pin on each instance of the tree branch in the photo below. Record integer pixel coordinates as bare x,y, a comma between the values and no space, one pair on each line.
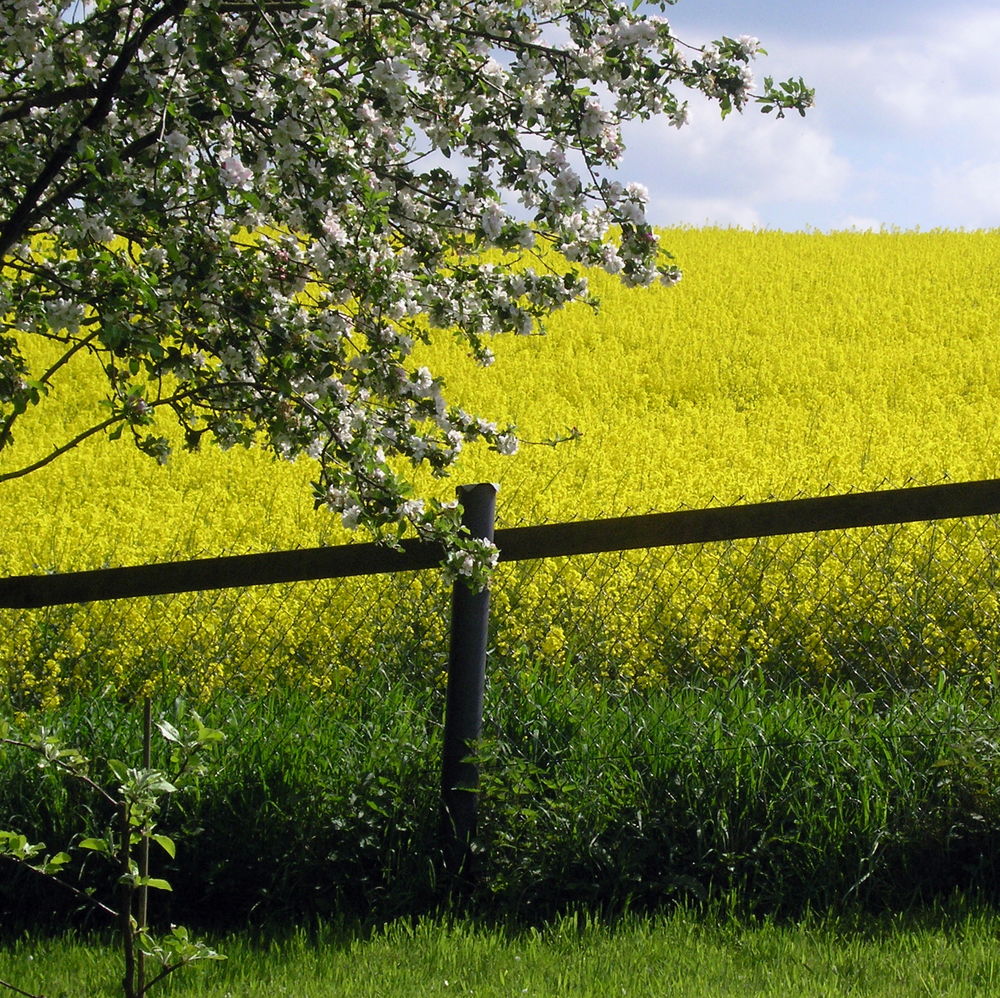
54,98
7,424
170,400
18,991
75,891
75,187
17,224
168,969
59,451
64,766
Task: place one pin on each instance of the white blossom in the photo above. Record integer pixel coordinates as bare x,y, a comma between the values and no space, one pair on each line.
492,220
507,443
176,142
273,227
234,173
351,516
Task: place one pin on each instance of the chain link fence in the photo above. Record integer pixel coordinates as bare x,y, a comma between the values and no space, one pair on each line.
685,720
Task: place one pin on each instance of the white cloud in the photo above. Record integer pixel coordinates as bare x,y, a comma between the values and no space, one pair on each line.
970,194
904,131
728,172
939,71
697,211
948,77
860,223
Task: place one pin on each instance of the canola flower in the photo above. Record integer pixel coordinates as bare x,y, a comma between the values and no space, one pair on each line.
262,242
866,360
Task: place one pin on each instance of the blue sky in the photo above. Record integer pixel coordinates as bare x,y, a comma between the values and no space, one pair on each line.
905,132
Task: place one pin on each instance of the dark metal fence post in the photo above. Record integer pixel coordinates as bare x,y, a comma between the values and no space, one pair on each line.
463,720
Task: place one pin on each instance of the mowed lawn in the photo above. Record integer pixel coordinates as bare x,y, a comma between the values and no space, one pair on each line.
941,954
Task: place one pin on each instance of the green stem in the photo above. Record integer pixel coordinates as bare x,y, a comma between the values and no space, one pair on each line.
143,898
126,890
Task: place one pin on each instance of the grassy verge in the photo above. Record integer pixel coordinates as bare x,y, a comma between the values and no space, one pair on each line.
943,953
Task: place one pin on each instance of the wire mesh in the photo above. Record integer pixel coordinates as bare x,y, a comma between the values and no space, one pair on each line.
634,700
809,717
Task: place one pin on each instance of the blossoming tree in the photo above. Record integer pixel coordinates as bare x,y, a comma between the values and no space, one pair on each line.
248,211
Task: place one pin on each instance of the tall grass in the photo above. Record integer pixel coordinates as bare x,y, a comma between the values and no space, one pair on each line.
778,799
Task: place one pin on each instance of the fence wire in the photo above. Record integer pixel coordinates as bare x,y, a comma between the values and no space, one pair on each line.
842,651
880,610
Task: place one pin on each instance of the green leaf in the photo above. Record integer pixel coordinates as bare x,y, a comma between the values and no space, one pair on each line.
55,863
155,882
208,736
17,845
166,844
158,783
169,731
97,845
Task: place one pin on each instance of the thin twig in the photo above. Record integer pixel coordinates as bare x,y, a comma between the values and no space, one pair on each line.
16,990
79,894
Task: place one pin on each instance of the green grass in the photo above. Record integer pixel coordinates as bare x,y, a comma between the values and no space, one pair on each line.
947,952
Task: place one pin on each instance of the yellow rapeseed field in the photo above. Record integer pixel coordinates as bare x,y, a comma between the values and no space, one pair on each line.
784,364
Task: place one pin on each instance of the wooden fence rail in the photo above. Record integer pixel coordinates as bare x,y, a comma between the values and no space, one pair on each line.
856,509
470,611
